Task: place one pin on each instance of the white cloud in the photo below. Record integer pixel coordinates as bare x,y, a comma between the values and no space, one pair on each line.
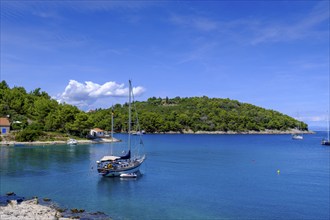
85,94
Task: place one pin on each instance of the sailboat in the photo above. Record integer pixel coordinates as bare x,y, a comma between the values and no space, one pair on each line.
129,164
297,136
327,141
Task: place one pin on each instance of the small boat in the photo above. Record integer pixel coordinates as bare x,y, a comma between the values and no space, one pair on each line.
72,142
128,175
298,134
327,141
297,137
139,132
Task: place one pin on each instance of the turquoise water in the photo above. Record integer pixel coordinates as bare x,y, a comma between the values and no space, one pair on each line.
185,176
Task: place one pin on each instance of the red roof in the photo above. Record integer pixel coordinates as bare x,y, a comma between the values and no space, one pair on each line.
98,129
4,122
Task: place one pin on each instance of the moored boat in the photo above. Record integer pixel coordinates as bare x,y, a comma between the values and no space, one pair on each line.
72,142
128,175
297,137
327,141
112,166
298,134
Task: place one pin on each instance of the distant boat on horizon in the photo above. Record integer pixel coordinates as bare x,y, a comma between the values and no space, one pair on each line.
297,135
327,141
139,132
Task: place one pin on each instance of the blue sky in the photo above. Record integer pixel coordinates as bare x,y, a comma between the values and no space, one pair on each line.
273,54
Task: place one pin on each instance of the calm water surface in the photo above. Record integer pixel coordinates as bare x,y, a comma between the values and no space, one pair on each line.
185,176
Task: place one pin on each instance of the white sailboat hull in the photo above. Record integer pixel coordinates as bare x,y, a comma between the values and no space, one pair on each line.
130,167
118,173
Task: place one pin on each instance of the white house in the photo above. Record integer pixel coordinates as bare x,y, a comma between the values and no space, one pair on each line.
97,132
4,126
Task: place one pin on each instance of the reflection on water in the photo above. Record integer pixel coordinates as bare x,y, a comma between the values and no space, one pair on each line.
39,160
116,186
185,176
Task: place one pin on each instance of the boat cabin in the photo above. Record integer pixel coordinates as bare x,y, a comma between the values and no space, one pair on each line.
114,162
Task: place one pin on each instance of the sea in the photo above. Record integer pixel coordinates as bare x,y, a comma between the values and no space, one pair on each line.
185,176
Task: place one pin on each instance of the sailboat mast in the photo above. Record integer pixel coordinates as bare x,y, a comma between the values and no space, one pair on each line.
329,124
329,109
129,114
111,129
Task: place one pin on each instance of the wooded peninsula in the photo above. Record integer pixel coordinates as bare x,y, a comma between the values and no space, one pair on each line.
36,116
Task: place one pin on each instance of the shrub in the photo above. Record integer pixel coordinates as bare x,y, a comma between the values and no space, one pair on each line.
28,135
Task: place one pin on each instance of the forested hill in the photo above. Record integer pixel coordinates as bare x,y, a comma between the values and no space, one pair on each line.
32,113
205,114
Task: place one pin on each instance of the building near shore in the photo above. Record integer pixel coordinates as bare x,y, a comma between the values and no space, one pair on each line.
4,126
97,132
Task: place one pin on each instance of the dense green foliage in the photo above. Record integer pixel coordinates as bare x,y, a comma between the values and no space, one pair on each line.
35,112
206,114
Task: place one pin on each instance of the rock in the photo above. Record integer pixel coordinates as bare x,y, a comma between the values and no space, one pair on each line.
74,210
77,211
13,202
30,209
47,199
10,194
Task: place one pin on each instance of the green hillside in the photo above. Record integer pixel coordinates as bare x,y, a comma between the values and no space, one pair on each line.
203,114
37,113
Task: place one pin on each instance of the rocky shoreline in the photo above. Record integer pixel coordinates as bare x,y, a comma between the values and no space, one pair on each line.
95,141
36,209
292,131
108,140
